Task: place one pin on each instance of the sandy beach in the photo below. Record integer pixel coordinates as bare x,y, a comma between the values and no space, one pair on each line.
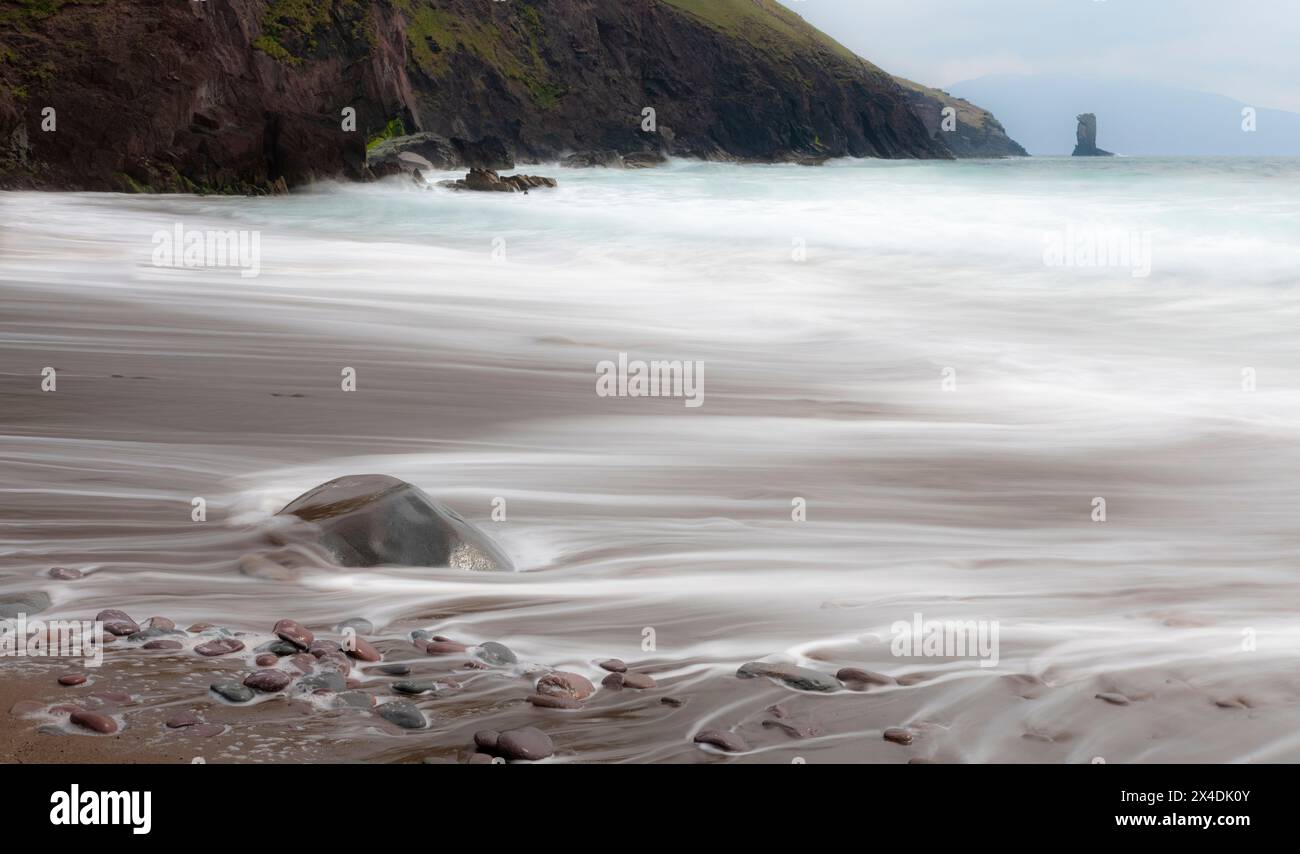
653,532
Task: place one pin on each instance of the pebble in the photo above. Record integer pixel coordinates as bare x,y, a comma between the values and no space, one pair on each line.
359,625
672,701
63,573
337,662
94,721
411,686
73,679
266,659
496,653
304,662
117,622
722,740
163,644
402,714
443,647
393,670
324,647
638,680
1114,699
161,623
232,691
293,632
150,634
614,665
269,681
363,650
486,739
332,682
545,701
563,684
528,743
794,731
199,627
897,735
801,678
219,646
858,676
182,719
278,647
613,681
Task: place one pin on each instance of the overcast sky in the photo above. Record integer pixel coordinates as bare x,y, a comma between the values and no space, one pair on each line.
1245,49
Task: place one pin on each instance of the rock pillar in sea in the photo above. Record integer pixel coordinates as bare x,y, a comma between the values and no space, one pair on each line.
1086,138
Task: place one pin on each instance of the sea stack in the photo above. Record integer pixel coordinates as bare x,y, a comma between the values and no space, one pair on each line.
1086,138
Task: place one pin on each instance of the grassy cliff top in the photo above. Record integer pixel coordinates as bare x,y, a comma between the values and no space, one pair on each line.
967,113
766,25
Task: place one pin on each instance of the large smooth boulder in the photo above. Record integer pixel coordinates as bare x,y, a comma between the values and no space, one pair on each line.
424,151
376,520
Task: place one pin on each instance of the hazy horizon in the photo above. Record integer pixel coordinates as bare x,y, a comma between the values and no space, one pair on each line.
1242,51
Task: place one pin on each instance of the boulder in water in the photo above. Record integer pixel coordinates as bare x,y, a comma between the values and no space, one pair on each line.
375,520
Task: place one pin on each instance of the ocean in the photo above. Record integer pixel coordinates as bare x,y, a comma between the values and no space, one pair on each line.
1052,399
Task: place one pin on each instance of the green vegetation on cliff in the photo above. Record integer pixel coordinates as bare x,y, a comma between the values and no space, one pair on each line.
767,25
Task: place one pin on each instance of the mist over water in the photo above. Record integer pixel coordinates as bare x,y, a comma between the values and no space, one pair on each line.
880,339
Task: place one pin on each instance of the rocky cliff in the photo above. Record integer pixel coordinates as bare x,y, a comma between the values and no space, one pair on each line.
229,95
969,130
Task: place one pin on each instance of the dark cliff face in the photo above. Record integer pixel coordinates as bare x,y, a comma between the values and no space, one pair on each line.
228,95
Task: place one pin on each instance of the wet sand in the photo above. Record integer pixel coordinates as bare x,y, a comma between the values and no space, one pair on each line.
476,383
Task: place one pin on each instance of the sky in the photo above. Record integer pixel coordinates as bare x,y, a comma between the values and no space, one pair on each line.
1246,49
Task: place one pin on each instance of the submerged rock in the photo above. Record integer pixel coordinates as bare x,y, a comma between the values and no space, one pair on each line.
375,520
497,654
796,677
232,690
723,740
402,714
23,603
